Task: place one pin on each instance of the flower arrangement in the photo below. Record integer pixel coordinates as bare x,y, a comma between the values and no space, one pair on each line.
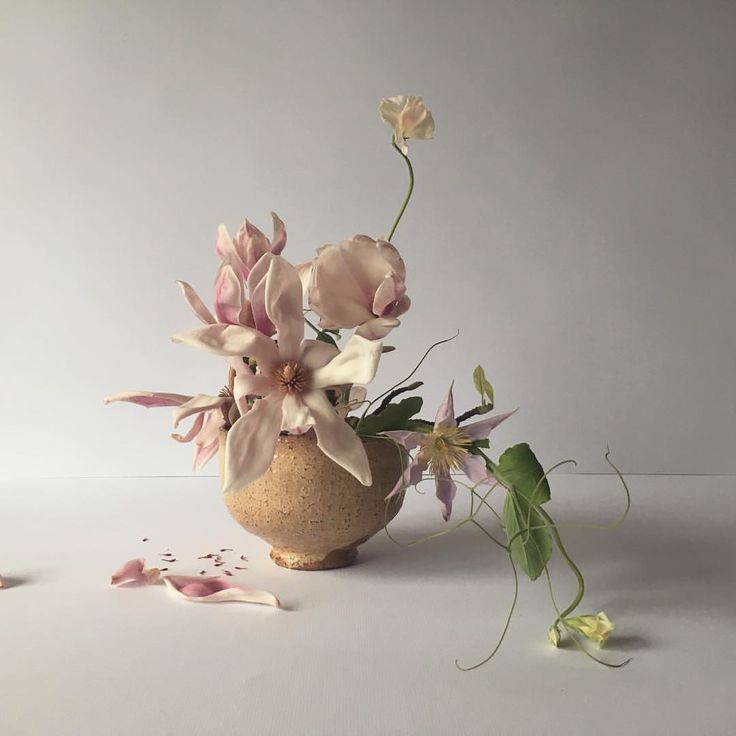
351,296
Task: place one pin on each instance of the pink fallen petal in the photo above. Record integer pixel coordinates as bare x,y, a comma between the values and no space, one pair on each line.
216,590
135,571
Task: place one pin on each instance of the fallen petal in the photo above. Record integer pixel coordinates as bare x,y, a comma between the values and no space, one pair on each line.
135,571
216,590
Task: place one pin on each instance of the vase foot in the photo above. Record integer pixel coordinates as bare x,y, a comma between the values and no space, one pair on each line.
314,560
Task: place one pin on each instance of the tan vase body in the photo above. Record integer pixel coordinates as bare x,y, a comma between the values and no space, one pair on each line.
312,512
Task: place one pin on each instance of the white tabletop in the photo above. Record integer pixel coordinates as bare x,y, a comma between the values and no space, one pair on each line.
368,649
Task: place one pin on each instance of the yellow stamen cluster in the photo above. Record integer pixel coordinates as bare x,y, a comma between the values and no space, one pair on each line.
444,449
291,378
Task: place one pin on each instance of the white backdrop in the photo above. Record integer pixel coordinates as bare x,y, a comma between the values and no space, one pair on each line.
574,217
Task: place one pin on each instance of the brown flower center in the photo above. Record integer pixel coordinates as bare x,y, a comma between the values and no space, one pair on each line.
291,378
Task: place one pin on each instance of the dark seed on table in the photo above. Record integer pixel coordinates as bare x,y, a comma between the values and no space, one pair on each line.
145,539
227,572
163,569
243,557
203,572
205,557
240,568
226,549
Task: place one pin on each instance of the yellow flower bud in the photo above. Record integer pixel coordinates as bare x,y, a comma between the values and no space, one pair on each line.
594,627
554,636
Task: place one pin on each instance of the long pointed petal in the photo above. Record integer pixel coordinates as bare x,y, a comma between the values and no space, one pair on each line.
446,413
336,438
228,294
446,490
408,440
284,303
279,235
197,404
196,304
251,442
149,398
357,363
194,430
481,429
475,468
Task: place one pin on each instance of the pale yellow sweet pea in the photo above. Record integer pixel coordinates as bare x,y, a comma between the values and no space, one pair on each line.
594,627
409,118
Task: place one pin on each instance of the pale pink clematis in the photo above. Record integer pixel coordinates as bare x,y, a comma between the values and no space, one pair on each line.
135,571
288,391
360,283
216,590
444,450
211,414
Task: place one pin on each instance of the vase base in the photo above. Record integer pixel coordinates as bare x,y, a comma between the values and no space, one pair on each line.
314,560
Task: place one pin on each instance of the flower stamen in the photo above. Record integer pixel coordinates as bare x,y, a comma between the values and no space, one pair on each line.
444,449
291,378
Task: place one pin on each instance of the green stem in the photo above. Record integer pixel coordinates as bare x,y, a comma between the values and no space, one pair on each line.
408,194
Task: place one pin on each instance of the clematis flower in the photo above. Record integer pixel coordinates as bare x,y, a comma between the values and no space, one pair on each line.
250,244
216,590
359,283
444,450
211,413
134,571
288,391
594,627
408,117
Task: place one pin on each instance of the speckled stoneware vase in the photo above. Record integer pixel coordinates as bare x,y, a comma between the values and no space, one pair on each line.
312,512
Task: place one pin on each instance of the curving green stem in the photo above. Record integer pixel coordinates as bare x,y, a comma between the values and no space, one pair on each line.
408,194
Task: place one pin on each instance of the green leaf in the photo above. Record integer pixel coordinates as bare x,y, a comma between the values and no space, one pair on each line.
391,417
482,386
532,548
323,336
519,467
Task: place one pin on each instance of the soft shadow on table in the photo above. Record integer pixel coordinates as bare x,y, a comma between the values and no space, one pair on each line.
14,581
644,566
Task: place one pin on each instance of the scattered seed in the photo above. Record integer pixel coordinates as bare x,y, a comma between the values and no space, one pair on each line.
145,539
243,557
163,569
205,557
226,549
240,568
219,564
173,559
227,572
203,572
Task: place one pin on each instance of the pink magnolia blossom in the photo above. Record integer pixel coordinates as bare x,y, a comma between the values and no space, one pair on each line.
288,391
211,414
359,283
250,244
216,590
444,450
135,571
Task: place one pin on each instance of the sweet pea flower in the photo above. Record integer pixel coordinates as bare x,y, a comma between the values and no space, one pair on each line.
444,450
359,283
594,627
288,391
211,413
408,117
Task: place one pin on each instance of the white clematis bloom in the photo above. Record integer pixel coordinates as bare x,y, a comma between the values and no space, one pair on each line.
291,382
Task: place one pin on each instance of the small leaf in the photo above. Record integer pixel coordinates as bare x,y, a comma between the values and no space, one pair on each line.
518,467
532,548
323,336
392,417
482,385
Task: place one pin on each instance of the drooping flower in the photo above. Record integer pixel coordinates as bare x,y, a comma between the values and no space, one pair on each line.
288,390
211,413
554,636
135,571
595,627
216,590
360,283
409,118
445,450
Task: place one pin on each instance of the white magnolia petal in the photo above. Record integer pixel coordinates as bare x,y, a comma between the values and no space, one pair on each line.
378,328
194,430
316,354
284,302
216,590
336,438
231,340
251,442
196,304
296,417
357,363
197,404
